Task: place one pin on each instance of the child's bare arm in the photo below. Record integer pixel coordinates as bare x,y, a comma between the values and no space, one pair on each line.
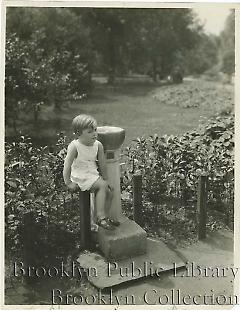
71,154
102,162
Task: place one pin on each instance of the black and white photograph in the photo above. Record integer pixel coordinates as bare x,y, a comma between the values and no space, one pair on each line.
119,154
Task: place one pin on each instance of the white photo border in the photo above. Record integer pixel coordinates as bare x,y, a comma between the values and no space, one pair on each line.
129,4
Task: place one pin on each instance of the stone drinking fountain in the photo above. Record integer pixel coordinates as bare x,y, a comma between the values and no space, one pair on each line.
129,238
126,247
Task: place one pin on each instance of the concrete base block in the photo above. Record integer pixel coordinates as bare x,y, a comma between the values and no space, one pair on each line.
127,240
158,259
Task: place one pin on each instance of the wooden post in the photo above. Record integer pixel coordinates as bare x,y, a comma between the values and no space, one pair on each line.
202,206
29,236
137,198
85,220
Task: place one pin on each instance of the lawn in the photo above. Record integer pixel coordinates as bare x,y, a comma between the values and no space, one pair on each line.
139,106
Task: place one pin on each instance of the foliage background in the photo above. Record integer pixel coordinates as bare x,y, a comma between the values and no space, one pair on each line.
51,53
52,58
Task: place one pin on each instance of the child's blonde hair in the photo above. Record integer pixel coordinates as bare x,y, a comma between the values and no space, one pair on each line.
83,121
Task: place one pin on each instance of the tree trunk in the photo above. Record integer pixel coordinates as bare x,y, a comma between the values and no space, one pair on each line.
154,70
14,123
111,76
57,105
36,113
112,58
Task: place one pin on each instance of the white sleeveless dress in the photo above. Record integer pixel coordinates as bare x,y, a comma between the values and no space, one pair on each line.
84,170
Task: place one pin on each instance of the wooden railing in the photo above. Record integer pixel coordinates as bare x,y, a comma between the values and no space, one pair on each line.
85,220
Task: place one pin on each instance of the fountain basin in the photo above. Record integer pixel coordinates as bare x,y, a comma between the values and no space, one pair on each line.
111,137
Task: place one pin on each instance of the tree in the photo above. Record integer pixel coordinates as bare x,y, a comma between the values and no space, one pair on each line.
15,80
48,56
133,39
108,30
203,56
165,35
27,77
227,45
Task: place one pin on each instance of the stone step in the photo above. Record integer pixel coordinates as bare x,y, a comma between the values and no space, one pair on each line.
127,240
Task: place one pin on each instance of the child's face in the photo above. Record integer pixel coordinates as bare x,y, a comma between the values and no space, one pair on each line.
89,135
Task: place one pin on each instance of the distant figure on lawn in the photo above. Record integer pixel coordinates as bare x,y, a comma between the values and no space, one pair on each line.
85,168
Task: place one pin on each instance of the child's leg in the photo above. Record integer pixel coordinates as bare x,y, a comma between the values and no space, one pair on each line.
109,198
100,187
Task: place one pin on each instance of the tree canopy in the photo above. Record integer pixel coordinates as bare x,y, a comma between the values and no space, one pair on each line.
51,53
227,45
140,39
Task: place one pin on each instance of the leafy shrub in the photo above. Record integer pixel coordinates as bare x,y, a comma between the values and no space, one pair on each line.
195,94
36,202
171,165
34,78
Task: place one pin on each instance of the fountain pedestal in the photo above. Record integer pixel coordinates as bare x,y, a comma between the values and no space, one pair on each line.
129,239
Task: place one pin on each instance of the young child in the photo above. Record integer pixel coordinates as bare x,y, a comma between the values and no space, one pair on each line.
85,167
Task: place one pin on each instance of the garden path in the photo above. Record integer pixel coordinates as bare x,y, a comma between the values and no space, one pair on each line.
215,251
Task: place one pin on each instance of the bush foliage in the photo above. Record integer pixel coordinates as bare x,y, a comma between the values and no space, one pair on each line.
44,62
34,191
170,166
